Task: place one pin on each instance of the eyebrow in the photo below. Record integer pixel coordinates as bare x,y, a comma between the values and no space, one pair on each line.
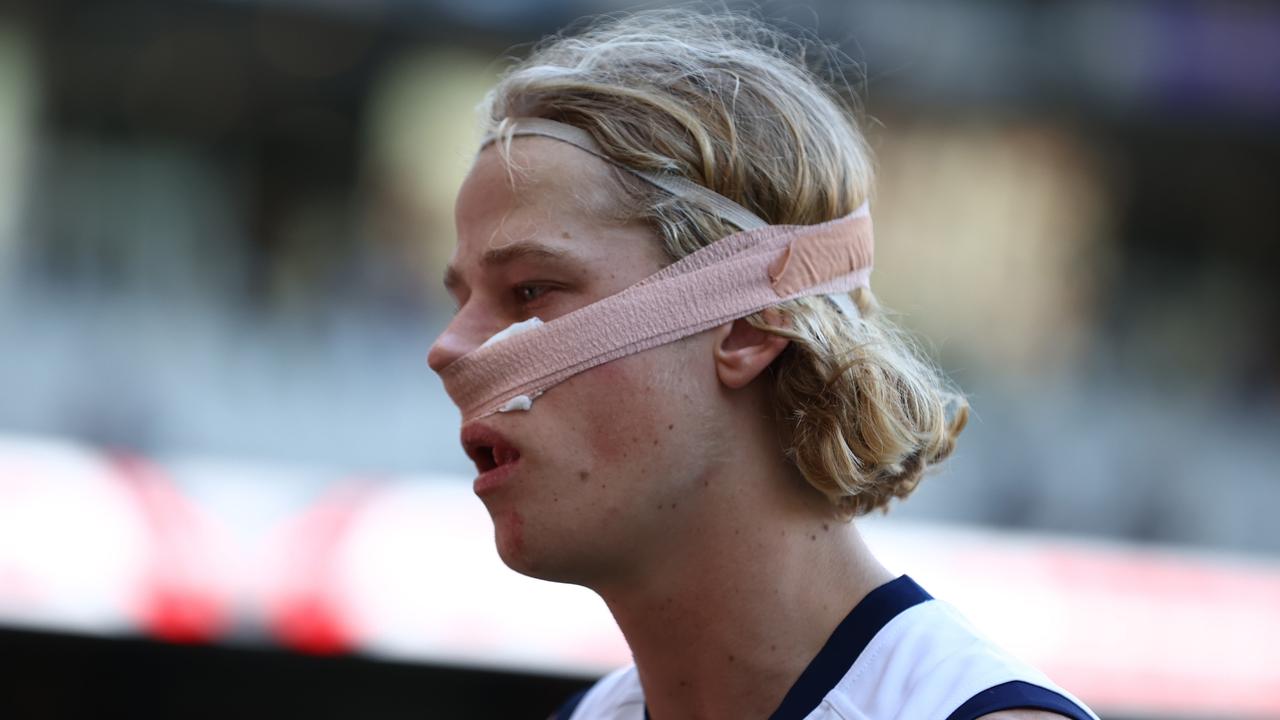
507,254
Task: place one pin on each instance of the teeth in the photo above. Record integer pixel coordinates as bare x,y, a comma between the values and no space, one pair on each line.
503,455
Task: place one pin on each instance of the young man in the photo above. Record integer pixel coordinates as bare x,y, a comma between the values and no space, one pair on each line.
677,390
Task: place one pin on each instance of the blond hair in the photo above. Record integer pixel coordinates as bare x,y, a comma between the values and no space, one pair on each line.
728,102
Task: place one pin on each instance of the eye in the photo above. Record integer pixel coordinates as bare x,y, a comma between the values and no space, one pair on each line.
529,293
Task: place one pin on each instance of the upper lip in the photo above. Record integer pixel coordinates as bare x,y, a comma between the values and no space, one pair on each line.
487,447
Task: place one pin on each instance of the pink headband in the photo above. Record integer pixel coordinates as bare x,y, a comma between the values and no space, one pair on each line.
743,273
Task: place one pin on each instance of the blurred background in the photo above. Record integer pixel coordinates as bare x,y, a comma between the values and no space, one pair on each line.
229,484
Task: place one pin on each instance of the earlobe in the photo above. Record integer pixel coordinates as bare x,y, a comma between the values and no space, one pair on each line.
743,351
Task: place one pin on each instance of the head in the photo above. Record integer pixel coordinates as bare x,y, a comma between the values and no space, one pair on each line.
616,464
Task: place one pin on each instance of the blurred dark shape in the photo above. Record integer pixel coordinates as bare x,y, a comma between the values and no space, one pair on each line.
64,676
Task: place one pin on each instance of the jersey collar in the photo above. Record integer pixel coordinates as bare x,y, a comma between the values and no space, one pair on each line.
844,646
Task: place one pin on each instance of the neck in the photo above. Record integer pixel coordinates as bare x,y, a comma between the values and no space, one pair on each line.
727,616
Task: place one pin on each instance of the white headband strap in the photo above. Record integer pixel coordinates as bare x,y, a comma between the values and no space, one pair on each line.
721,206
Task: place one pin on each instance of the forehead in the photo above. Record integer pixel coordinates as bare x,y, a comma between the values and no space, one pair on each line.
539,176
550,192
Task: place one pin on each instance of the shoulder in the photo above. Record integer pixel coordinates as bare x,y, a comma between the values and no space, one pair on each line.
929,661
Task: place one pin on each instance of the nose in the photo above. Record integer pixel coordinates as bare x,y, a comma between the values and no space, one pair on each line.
463,334
444,351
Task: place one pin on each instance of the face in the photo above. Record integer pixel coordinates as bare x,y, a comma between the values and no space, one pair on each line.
609,461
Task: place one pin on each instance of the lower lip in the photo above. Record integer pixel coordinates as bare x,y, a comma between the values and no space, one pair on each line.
490,480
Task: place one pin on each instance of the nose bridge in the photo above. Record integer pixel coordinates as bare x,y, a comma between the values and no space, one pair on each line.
464,333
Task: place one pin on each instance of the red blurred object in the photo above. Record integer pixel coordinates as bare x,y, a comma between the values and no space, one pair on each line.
187,596
97,542
305,607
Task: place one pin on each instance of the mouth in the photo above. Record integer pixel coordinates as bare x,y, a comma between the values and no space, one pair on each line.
491,452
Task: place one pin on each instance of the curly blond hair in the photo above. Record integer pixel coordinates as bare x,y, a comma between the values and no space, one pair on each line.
736,106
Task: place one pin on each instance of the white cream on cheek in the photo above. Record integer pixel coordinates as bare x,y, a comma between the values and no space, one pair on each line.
513,329
519,402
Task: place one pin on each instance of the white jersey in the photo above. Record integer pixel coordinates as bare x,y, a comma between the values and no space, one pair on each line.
899,655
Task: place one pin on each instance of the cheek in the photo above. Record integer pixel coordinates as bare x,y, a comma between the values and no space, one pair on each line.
621,423
633,410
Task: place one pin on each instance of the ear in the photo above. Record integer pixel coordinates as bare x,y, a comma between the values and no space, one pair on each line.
743,351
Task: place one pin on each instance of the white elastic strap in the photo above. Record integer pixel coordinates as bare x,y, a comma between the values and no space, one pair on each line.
721,206
845,305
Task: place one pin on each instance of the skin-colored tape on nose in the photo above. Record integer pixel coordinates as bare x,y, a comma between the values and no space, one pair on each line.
721,282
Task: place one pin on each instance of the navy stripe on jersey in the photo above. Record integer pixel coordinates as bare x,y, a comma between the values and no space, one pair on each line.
846,643
844,646
566,710
1018,695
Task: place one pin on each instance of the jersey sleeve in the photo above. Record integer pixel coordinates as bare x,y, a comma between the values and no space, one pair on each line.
1019,695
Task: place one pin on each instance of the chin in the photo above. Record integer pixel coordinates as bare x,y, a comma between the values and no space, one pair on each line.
524,555
539,567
